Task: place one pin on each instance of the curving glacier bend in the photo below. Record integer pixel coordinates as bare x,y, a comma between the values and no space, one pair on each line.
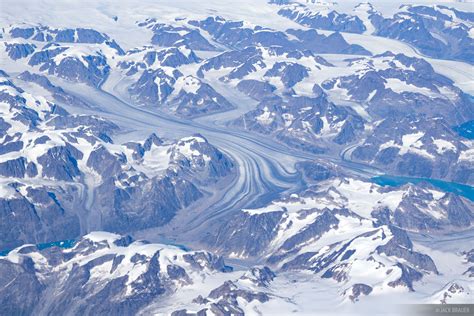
319,153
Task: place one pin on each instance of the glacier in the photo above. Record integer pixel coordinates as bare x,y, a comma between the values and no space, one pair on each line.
236,158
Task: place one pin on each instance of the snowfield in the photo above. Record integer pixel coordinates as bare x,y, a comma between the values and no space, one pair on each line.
254,157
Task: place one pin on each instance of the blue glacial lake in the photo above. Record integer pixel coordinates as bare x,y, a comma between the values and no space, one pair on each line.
466,130
452,187
69,243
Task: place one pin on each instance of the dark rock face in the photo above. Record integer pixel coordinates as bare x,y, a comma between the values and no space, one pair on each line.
82,288
469,258
38,215
22,32
401,247
223,300
321,225
290,74
78,35
90,69
421,159
217,164
260,276
147,90
204,100
19,51
236,239
60,163
359,289
95,73
296,233
409,275
229,290
256,89
15,168
19,287
414,165
321,44
104,162
349,130
45,55
202,260
58,93
235,35
453,211
147,207
72,159
10,146
243,60
168,36
300,121
166,87
332,21
418,24
149,57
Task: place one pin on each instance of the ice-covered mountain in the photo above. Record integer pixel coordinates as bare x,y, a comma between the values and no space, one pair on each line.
280,157
354,233
239,34
75,54
418,147
310,123
325,19
60,171
436,30
157,81
103,273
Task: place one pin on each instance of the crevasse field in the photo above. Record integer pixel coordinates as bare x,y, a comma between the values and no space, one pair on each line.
250,157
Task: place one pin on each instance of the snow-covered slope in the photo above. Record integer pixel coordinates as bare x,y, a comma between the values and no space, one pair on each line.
436,30
353,232
102,273
324,149
68,168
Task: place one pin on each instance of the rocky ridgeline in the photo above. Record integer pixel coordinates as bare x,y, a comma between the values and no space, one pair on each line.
57,167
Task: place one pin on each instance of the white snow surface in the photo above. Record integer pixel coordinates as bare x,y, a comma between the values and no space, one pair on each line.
300,291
